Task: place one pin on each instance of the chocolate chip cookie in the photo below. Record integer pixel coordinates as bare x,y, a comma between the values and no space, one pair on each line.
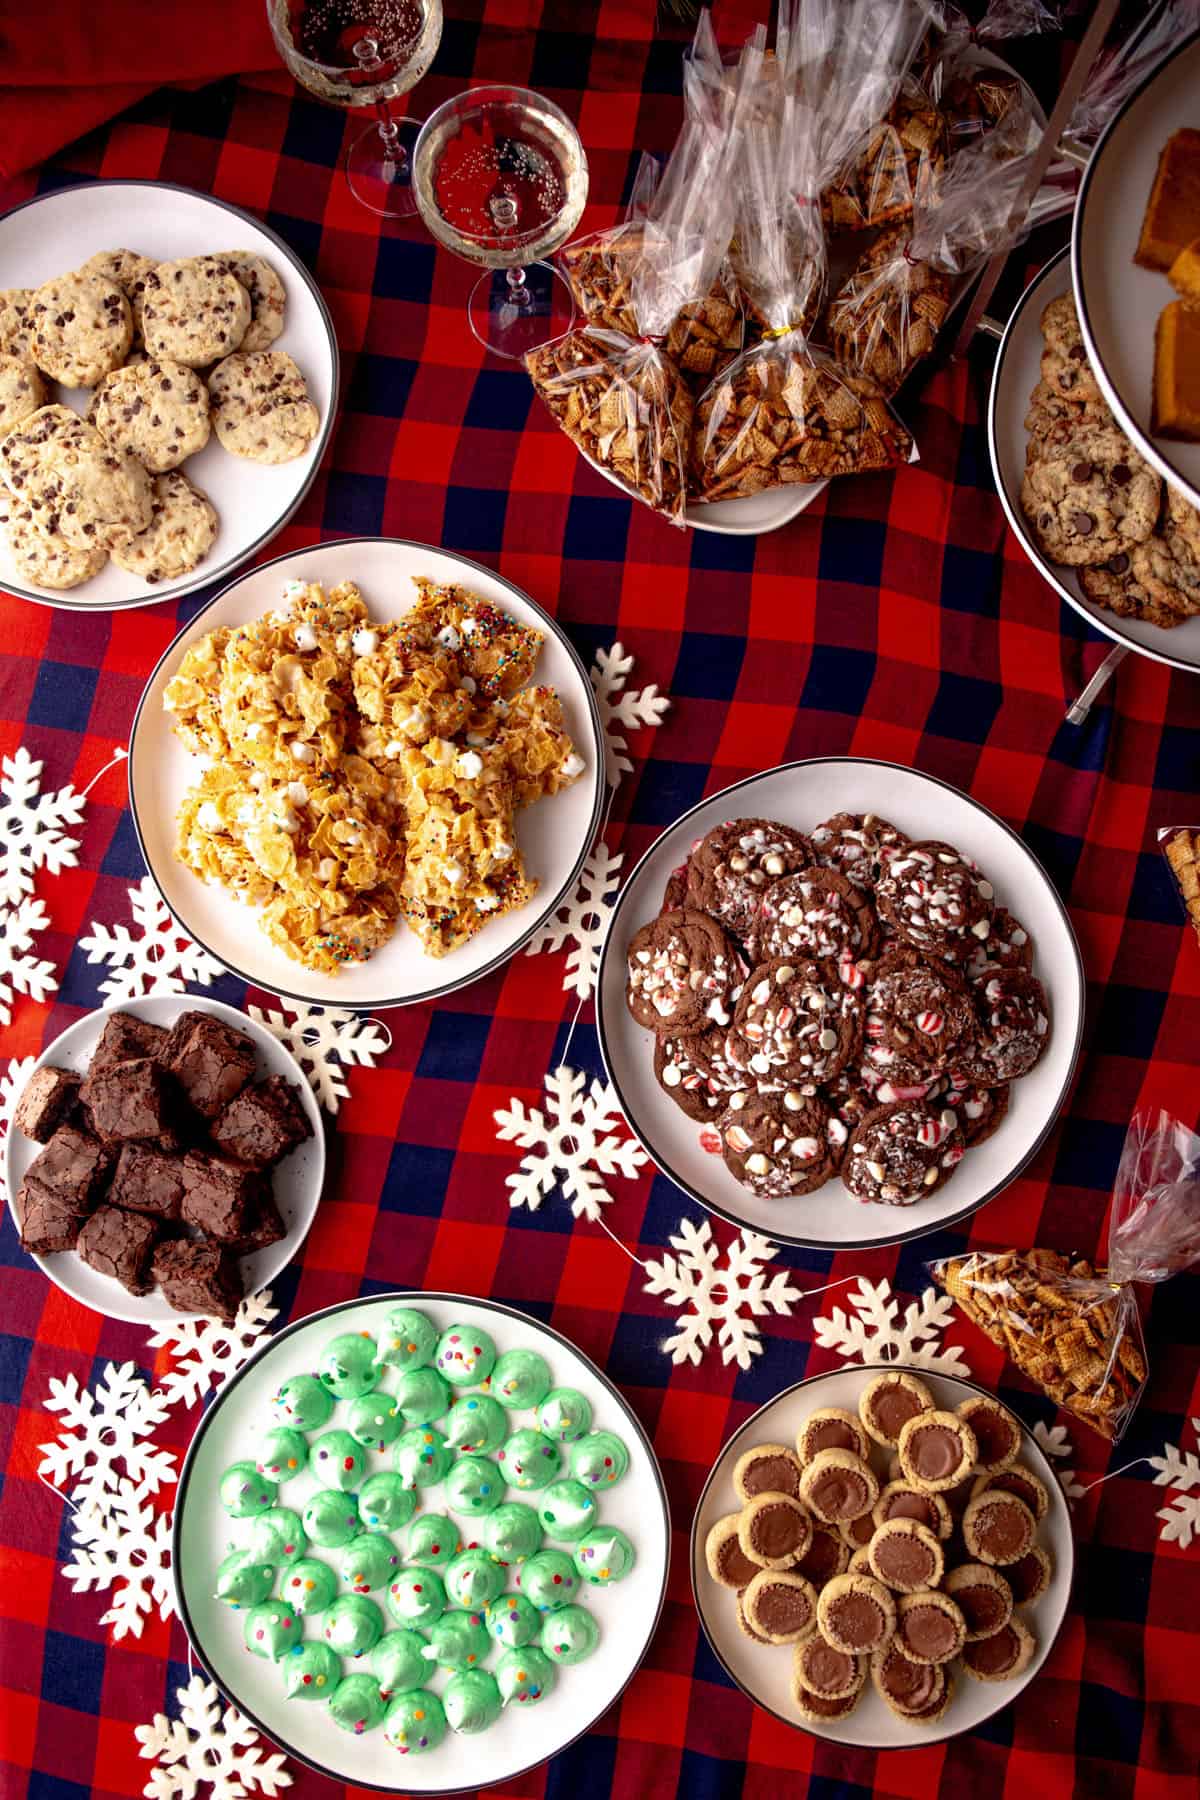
268,297
194,311
775,1144
72,481
733,865
1115,586
815,915
1168,563
16,325
183,525
901,1153
261,408
22,391
82,328
682,972
1090,497
157,410
1068,374
45,561
126,269
796,1022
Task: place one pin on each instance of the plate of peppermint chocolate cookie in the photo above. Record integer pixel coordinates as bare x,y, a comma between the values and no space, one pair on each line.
840,1003
882,1556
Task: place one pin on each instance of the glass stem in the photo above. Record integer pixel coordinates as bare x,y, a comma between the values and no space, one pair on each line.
518,291
394,153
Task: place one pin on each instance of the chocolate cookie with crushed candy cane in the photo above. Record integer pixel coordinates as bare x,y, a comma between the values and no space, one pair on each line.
682,973
849,1101
857,845
937,900
734,864
696,1073
980,1110
1014,1019
777,1144
815,915
921,1011
901,1153
1007,943
796,1022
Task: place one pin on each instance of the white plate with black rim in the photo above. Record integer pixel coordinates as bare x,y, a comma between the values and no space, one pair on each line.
296,1183
57,232
801,794
1118,302
1017,371
763,1672
554,836
627,1611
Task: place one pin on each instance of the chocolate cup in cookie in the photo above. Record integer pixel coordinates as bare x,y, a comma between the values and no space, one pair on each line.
936,900
818,1708
796,1022
901,1500
831,1428
682,968
901,1153
930,1627
816,915
774,1531
857,845
827,1555
838,1485
1018,1480
724,1557
831,1674
856,1534
906,1556
775,1144
734,864
998,1528
744,1625
910,1690
1029,1576
937,1450
979,1110
888,1402
695,1073
1015,1016
997,1434
918,1009
767,1469
1004,1655
983,1597
781,1606
856,1613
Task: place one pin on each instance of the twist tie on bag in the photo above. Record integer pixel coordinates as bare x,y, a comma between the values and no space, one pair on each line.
782,331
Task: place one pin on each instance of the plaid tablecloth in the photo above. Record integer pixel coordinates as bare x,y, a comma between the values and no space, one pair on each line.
897,618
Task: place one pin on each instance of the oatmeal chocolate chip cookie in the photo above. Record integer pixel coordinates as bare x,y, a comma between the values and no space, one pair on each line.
1168,562
796,1022
1054,417
1116,586
1014,1017
902,1152
857,845
158,411
46,562
696,1073
980,1110
815,914
82,328
22,391
775,1144
1060,322
268,297
917,1009
1068,373
261,408
682,970
1008,943
180,534
1089,497
72,481
126,269
16,323
194,311
733,865
937,900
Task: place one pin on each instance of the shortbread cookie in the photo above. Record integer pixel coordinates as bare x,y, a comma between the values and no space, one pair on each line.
734,864
1002,1656
180,533
194,311
268,297
936,900
261,408
857,1614
815,915
982,1596
767,1468
22,391
930,1627
46,562
901,1153
1090,497
724,1557
72,481
776,1144
797,1023
906,1556
857,845
997,1434
16,323
774,1530
1029,1576
126,269
937,1450
828,1673
158,411
82,328
837,1485
780,1606
831,1428
998,1528
888,1402
682,970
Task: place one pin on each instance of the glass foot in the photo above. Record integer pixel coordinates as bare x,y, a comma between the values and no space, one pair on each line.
510,318
378,180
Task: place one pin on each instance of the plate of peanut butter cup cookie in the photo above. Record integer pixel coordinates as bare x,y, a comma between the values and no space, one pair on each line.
882,1556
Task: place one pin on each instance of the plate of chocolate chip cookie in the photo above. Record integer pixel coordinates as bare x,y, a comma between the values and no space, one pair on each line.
882,1556
840,1003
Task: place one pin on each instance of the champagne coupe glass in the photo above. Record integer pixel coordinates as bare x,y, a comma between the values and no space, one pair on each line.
501,179
359,54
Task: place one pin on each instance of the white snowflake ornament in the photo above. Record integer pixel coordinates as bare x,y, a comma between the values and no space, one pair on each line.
123,1548
641,706
1058,1448
208,1743
583,921
12,1086
877,1332
718,1299
161,961
573,1142
205,1352
21,972
32,826
104,1440
1178,1468
324,1041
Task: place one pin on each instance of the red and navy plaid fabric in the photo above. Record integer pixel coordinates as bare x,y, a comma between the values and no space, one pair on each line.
897,618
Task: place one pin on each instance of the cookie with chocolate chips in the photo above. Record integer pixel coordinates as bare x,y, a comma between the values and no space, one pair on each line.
1014,1018
776,1144
734,864
858,845
682,970
816,914
1089,498
696,1073
979,1110
1118,587
919,1010
796,1022
901,1153
937,900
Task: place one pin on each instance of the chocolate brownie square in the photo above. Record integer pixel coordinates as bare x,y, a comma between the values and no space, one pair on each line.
261,1124
47,1101
268,1227
124,1039
132,1101
222,1199
48,1221
75,1166
211,1061
198,1278
119,1244
147,1181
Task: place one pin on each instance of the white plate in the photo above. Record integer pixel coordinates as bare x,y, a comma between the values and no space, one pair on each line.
555,835
764,1673
802,794
627,1613
1118,302
59,231
296,1182
1017,371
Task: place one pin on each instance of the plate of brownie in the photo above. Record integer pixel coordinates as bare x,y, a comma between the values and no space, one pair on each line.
166,1157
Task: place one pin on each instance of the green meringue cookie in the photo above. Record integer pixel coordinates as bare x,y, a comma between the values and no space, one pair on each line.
282,1453
431,1540
477,1424
415,1722
369,1561
512,1532
270,1630
423,1396
352,1625
277,1536
331,1518
420,1456
598,1460
520,1378
408,1338
356,1704
474,1485
337,1461
244,1579
349,1365
309,1586
385,1503
529,1460
416,1596
513,1620
570,1634
566,1510
397,1663
302,1403
374,1420
604,1555
465,1355
525,1676
457,1640
311,1672
244,1492
564,1415
548,1579
471,1701
473,1578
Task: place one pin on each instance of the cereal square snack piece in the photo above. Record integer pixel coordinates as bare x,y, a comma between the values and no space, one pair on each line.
119,1244
147,1181
75,1166
198,1278
222,1199
46,1102
210,1060
124,1038
132,1101
261,1124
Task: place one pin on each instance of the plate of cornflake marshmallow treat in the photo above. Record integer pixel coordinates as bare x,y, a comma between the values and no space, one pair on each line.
840,1003
882,1556
421,1542
168,383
